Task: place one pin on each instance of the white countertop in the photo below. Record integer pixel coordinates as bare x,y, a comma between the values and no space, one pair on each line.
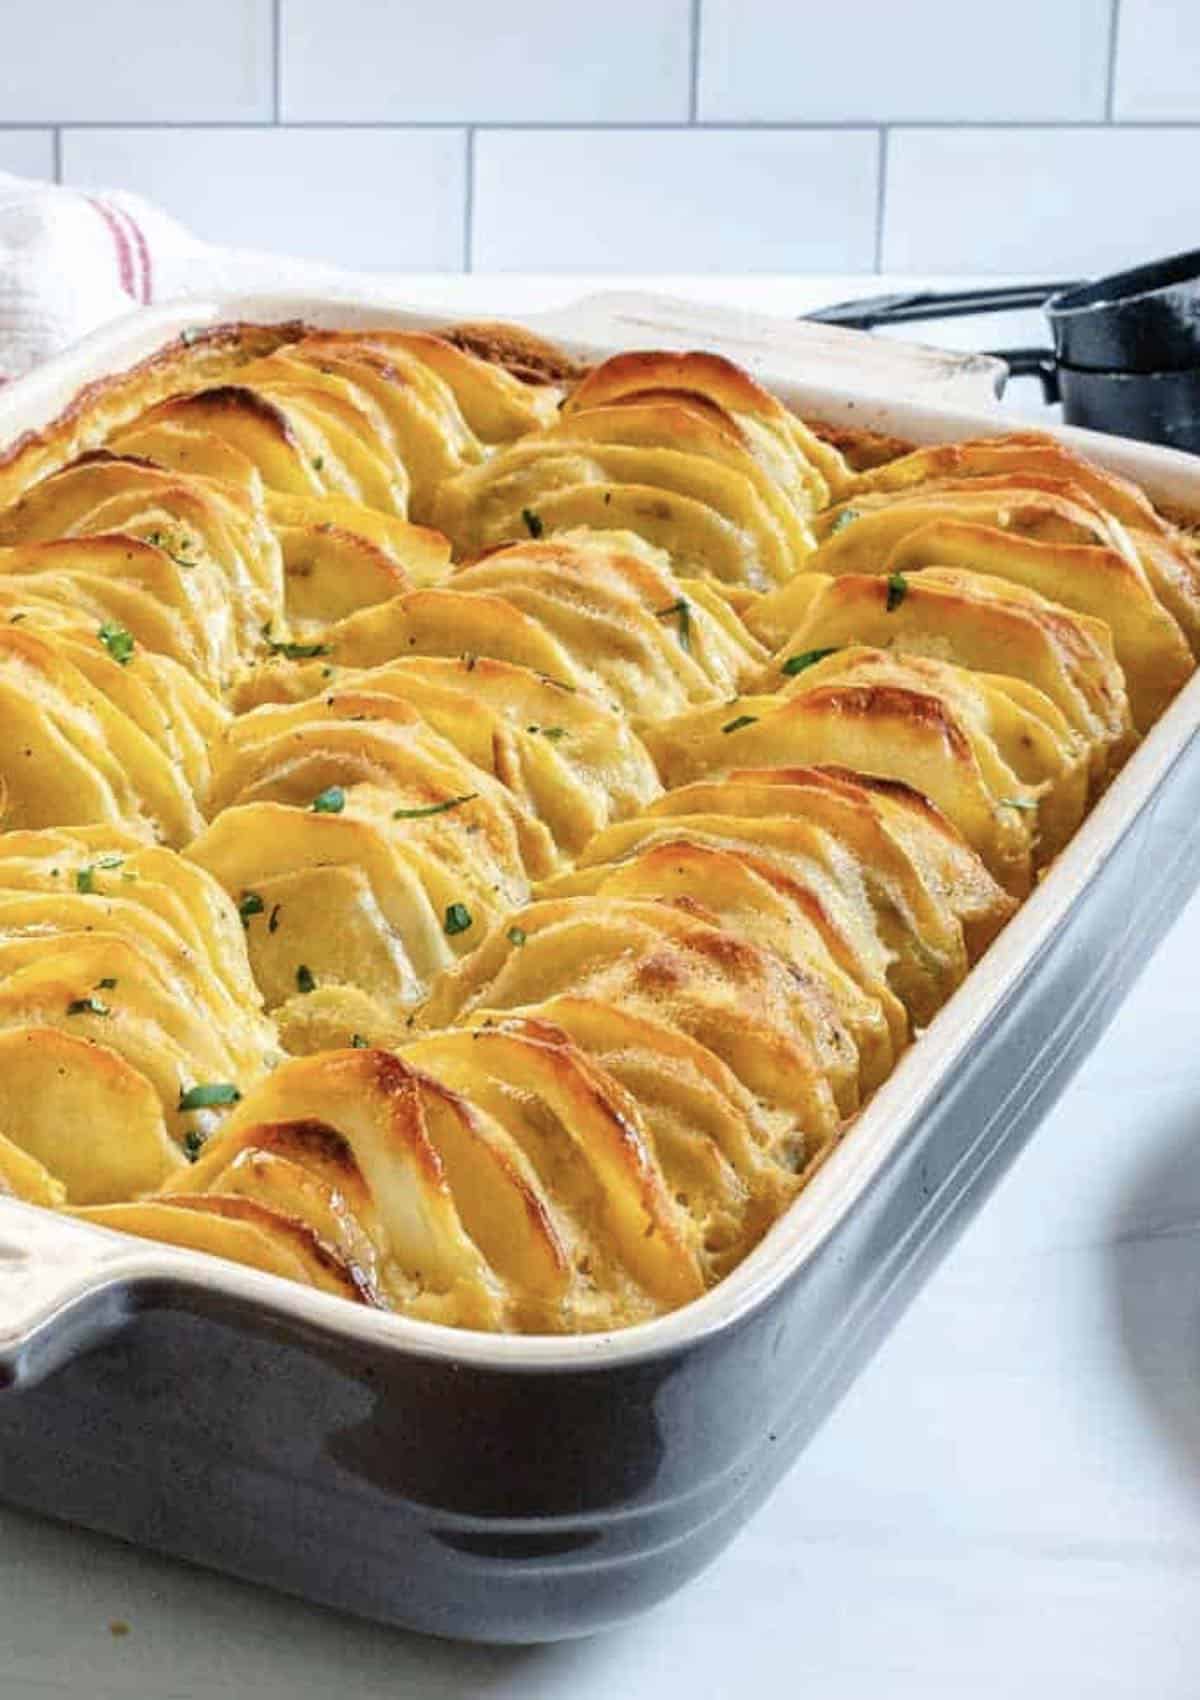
1007,1503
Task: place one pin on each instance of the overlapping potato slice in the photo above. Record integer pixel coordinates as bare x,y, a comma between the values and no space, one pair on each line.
360,737
708,1132
171,606
517,1190
1041,461
777,1028
645,639
190,518
977,622
74,753
738,893
992,754
124,986
23,1177
363,898
891,892
242,1230
809,469
593,610
574,763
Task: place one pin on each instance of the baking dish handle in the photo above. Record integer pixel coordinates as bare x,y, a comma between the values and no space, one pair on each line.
64,1286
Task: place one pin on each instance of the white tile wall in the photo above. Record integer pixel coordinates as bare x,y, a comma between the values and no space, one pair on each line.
123,61
1053,202
675,200
1027,135
368,197
627,61
30,153
1158,60
806,60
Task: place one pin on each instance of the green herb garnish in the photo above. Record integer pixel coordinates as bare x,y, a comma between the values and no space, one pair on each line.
458,919
331,801
357,1042
554,733
845,518
897,590
117,641
208,1096
807,658
251,904
193,1144
1018,802
434,808
682,608
273,918
88,1006
85,878
742,720
533,523
305,980
516,935
299,651
108,984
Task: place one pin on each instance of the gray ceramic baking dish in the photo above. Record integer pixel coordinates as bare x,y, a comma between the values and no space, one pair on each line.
522,1489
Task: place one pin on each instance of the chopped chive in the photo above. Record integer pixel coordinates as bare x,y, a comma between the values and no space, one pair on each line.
193,1144
357,1042
533,523
845,518
299,651
208,1095
897,590
88,1006
273,918
117,641
85,880
683,609
434,808
742,720
1018,802
458,919
516,935
251,904
331,801
108,984
318,463
806,658
305,980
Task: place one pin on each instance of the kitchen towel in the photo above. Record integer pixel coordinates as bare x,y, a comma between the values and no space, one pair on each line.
72,259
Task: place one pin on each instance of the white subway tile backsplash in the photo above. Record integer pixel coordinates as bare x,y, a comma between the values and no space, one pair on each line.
1043,201
382,198
28,153
675,200
124,61
472,61
1158,60
809,61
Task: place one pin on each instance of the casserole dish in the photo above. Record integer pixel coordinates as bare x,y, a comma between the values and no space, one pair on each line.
523,1488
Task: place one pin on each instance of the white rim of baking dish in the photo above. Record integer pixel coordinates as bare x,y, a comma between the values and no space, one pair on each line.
61,1263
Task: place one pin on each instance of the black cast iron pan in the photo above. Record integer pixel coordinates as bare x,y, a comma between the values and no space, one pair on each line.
1126,348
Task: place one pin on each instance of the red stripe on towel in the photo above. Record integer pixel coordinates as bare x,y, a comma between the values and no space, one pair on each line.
121,242
141,249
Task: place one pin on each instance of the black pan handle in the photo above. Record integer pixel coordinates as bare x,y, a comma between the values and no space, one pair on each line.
864,315
1039,363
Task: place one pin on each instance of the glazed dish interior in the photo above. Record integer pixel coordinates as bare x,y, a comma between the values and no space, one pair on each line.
477,828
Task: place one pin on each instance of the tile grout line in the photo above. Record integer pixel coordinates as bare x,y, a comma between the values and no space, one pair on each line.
1114,24
469,201
837,126
694,63
277,62
881,195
